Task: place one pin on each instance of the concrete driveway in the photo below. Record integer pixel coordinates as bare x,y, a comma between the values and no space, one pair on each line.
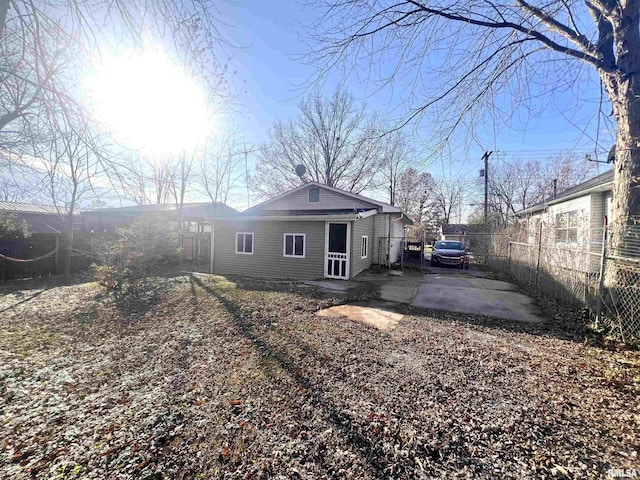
454,290
468,292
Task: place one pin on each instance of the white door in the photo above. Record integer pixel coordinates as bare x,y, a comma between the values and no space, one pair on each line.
337,236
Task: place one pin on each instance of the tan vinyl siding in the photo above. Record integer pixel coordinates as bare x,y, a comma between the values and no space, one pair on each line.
299,200
380,230
360,228
268,240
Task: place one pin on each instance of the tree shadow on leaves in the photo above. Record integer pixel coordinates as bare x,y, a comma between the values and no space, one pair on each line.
26,299
372,453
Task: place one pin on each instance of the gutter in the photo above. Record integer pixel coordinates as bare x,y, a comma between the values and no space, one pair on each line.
299,218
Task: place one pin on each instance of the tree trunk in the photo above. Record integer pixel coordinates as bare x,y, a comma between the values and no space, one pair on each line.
69,248
623,88
625,208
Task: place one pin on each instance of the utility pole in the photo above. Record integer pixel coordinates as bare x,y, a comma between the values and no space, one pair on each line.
485,157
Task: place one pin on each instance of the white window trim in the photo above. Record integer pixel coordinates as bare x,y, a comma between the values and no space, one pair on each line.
253,243
566,229
366,250
304,245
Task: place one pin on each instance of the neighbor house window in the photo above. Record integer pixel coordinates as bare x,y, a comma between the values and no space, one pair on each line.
294,245
314,194
364,249
567,227
244,243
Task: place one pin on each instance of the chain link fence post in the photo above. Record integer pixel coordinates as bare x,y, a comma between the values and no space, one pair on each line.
603,266
539,256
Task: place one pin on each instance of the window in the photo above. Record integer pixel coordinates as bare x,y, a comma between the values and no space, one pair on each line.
314,194
364,252
567,227
244,243
294,245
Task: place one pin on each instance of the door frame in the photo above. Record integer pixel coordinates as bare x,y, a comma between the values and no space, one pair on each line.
326,250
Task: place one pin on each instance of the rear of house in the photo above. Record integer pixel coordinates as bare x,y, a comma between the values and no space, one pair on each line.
313,231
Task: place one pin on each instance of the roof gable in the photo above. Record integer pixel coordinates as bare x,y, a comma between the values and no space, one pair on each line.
331,198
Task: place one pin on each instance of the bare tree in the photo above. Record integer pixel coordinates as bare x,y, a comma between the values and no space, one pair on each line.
516,184
448,198
46,47
219,169
563,171
468,52
35,35
335,139
70,165
397,156
413,194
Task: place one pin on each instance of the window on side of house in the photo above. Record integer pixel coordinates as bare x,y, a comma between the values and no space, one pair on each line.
567,226
244,243
294,245
314,194
364,248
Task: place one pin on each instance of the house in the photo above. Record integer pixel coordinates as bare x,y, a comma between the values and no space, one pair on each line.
459,231
103,220
197,219
312,231
574,217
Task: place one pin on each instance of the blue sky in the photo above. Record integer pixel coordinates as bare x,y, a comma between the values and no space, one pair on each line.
271,80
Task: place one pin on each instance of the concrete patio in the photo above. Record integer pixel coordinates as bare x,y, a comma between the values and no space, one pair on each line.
465,291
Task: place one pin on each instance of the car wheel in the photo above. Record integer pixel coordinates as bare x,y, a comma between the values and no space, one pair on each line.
434,263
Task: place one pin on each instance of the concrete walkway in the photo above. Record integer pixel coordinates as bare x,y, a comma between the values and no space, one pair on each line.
465,291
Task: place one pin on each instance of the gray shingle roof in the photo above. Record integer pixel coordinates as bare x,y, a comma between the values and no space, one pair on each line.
18,207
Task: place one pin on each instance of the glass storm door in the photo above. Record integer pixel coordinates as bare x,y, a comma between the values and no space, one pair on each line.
337,248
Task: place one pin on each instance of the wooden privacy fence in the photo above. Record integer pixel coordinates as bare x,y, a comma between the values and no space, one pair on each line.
42,255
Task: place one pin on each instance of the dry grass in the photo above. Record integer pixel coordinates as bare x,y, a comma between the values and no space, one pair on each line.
206,378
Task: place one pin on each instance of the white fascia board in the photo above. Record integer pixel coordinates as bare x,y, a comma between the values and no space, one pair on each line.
297,218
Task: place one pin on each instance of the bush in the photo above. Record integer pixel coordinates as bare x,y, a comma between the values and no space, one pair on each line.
135,252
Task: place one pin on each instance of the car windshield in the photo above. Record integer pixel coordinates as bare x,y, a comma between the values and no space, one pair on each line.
449,246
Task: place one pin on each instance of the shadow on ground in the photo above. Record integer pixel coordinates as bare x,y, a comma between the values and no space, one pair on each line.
373,453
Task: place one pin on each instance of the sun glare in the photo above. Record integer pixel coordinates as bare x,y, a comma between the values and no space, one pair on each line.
148,103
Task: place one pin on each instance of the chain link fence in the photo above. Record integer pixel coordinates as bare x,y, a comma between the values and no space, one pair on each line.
573,269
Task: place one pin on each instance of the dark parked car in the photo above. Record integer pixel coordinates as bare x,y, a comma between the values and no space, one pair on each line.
449,252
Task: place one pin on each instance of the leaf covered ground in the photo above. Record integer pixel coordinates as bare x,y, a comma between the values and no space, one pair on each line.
201,377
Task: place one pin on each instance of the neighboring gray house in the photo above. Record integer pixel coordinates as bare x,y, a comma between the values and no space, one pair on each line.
313,231
573,217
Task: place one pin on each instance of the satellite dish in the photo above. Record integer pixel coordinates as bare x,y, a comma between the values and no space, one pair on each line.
611,158
301,170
